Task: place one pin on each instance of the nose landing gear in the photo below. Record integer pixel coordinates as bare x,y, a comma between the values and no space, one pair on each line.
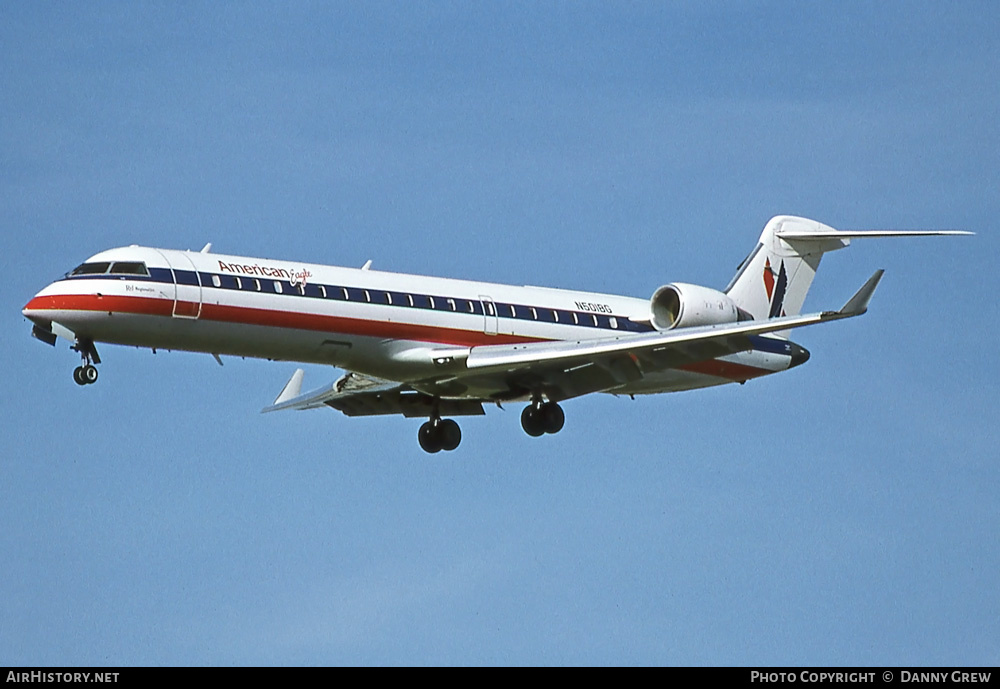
87,373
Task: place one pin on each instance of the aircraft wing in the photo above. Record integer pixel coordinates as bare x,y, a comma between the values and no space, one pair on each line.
356,394
566,369
561,369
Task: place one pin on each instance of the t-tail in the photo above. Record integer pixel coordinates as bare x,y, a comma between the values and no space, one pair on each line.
773,280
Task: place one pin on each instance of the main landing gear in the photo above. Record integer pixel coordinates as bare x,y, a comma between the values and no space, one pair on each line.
540,417
87,373
439,434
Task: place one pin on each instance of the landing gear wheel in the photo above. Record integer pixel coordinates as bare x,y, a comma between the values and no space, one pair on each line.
540,418
89,374
78,376
439,434
532,421
450,435
553,417
429,438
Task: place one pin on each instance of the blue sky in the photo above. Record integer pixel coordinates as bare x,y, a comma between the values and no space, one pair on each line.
845,512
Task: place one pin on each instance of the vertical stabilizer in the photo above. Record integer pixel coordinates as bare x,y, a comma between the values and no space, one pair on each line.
774,279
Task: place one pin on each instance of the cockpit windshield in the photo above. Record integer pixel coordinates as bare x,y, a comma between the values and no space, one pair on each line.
128,268
91,269
116,268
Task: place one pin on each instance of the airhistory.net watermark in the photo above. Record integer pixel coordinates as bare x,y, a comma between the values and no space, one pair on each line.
62,677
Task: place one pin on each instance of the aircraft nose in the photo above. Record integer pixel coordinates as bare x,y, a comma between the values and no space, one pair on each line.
32,309
39,307
800,355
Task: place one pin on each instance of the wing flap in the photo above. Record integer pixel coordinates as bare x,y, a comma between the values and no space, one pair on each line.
355,394
409,403
697,344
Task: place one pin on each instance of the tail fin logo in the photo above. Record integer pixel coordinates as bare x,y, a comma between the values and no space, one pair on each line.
775,288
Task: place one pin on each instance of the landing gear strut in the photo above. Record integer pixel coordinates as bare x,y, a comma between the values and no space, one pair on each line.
87,373
540,417
439,434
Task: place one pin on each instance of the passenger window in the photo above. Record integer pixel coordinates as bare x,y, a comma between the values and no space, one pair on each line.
187,277
277,287
216,281
614,322
522,312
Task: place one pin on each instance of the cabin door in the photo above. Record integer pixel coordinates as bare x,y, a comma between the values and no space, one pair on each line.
187,285
490,314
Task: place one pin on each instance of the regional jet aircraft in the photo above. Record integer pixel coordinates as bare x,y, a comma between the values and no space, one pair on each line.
435,348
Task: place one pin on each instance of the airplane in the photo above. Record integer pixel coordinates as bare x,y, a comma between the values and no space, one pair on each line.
436,348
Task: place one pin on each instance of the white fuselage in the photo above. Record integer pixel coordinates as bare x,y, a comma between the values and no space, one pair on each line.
388,325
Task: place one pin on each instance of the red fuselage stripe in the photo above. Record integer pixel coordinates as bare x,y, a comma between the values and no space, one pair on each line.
277,319
332,324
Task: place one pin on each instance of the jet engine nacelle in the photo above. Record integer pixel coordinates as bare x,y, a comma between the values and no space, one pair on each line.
679,305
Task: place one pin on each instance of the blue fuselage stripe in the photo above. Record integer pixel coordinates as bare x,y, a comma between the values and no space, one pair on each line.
470,307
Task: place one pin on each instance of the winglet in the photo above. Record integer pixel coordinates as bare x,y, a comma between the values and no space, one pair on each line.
292,389
858,304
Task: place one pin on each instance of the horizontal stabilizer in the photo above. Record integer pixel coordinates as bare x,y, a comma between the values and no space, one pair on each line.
861,234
